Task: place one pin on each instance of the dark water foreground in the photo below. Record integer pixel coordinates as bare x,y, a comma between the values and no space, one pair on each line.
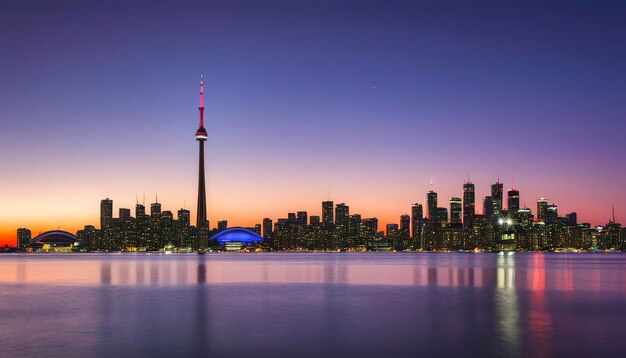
313,305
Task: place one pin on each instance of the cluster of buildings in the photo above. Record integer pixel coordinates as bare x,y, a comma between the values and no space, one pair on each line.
453,227
456,226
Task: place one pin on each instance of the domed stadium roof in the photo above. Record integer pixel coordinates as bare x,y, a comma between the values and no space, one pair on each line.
55,237
237,234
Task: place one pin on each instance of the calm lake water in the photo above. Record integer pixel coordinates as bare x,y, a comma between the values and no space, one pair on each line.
313,305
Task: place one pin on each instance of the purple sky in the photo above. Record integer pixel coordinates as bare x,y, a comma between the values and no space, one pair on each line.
367,100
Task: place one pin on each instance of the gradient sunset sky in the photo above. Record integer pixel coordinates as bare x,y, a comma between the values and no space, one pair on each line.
361,101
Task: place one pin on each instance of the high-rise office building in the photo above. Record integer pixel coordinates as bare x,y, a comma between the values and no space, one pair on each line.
267,228
222,225
405,224
572,218
431,199
392,230
23,238
442,216
88,236
456,210
552,214
327,212
513,201
124,214
469,204
106,213
417,220
257,229
342,219
140,210
184,218
302,218
497,190
542,209
155,210
488,207
356,225
370,225
315,219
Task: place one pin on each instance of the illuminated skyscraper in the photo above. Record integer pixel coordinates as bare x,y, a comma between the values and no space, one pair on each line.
201,136
23,238
106,213
442,216
469,204
552,214
371,227
124,214
314,219
392,230
327,212
456,210
542,209
513,201
431,199
184,218
267,228
488,210
417,219
302,218
140,210
222,225
405,224
155,209
342,219
496,195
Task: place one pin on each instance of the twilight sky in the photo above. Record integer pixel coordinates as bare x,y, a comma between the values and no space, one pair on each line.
362,101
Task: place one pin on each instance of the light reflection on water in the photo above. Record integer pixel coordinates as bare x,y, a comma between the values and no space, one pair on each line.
580,271
336,304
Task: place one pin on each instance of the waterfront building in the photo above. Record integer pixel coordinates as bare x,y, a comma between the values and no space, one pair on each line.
469,204
222,225
431,199
342,223
542,209
456,210
488,207
23,238
496,196
302,218
417,222
513,201
327,213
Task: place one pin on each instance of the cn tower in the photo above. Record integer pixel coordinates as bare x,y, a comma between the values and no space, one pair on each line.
201,137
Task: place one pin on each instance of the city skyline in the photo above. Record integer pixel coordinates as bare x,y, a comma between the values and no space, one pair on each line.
371,127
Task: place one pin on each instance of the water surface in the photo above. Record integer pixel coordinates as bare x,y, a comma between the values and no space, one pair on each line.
311,305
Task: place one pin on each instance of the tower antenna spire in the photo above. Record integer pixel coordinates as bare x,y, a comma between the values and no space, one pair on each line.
201,107
613,207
